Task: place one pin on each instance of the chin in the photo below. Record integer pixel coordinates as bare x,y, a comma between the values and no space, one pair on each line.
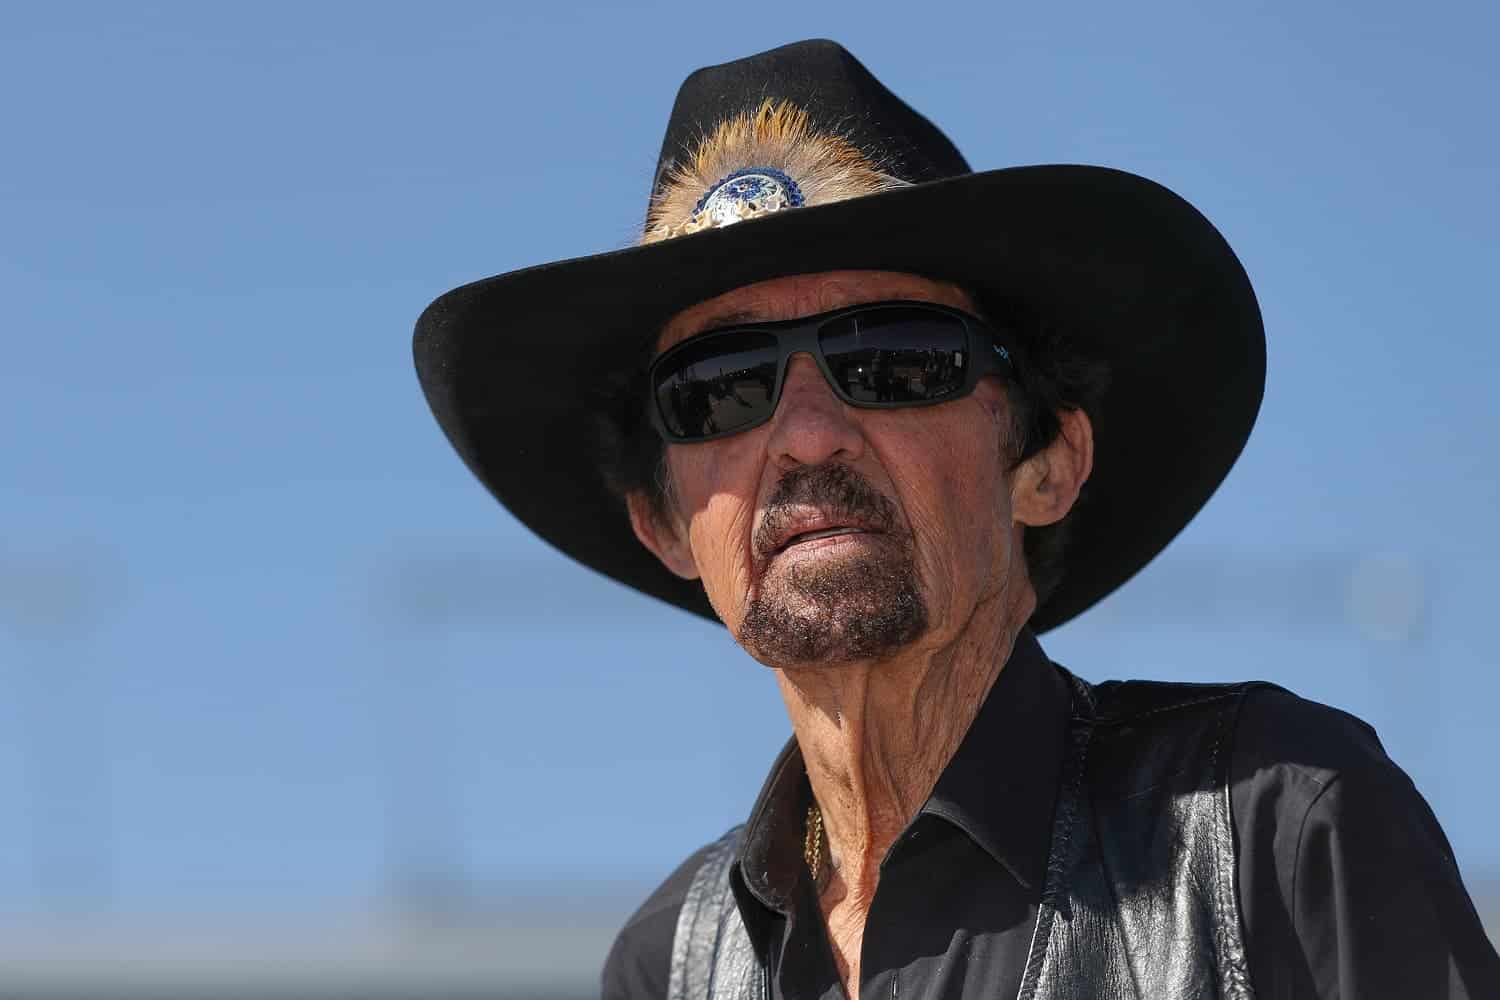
840,612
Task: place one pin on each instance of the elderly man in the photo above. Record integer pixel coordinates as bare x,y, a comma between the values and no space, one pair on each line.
850,396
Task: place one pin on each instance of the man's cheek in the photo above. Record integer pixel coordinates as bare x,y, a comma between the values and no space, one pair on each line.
720,542
934,557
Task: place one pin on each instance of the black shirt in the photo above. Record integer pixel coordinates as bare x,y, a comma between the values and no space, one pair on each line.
1347,884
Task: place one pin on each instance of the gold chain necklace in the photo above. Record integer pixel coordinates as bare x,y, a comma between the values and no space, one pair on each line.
812,843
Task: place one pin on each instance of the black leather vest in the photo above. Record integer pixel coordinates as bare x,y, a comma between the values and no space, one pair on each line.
1140,898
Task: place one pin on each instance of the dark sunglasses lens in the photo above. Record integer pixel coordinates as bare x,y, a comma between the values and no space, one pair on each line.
896,355
717,384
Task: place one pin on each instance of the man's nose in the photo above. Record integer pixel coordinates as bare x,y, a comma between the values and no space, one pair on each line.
811,424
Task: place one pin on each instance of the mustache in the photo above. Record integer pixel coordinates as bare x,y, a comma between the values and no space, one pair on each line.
835,490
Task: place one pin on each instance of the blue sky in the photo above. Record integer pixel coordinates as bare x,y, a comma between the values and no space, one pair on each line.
218,225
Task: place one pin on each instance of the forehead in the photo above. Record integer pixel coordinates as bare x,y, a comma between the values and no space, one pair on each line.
806,295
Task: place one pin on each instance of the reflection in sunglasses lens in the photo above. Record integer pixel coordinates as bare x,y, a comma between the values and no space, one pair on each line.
718,384
896,355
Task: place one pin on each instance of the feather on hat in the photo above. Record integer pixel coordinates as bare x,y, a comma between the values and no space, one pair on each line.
758,162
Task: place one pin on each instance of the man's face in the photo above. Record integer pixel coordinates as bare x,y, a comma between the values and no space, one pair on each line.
832,533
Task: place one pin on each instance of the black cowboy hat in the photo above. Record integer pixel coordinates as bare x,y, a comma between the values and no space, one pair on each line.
512,365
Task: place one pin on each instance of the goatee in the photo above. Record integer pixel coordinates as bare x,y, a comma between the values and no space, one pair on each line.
862,606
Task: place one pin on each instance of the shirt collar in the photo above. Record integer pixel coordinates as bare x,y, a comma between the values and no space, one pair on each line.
999,788
771,852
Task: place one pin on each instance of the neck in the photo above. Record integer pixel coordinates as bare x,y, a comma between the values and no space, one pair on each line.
876,736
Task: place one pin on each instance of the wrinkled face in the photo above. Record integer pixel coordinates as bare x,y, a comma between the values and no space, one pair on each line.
835,534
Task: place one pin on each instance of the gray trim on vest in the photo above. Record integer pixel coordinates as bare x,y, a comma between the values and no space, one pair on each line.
711,951
1140,898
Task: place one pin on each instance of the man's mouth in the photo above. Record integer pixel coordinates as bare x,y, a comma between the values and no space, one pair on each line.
812,536
819,507
810,528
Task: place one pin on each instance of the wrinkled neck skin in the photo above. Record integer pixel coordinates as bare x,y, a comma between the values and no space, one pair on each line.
875,736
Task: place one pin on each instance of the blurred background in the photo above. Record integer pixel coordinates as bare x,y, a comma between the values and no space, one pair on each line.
290,707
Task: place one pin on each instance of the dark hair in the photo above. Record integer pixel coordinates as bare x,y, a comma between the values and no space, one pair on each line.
1052,375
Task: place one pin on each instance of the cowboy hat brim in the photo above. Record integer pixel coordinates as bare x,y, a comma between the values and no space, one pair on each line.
509,364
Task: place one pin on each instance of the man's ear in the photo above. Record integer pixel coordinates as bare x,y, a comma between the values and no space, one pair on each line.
1046,485
662,536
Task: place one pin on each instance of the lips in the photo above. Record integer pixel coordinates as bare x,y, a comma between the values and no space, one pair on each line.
811,536
807,526
813,503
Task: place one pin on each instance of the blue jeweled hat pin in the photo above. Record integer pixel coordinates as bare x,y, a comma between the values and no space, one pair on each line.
745,194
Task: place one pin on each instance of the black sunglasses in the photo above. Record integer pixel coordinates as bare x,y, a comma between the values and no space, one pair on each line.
878,356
